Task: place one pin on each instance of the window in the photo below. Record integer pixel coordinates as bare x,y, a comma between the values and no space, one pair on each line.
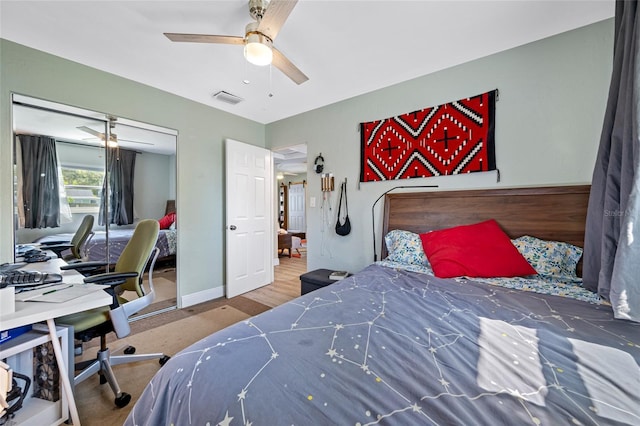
83,188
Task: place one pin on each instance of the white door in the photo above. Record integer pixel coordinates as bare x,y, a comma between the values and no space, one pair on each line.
249,223
296,220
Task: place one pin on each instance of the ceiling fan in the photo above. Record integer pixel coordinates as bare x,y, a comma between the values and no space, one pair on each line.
113,138
259,36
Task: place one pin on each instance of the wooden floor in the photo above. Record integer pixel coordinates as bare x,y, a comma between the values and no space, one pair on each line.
286,285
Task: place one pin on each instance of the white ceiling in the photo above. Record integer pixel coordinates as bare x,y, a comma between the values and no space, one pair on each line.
346,48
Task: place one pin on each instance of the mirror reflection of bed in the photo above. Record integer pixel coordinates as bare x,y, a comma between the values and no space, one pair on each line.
78,136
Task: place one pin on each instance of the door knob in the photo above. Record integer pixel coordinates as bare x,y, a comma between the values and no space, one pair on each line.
233,227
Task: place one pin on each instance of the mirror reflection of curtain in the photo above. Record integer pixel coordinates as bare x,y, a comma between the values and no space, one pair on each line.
39,198
612,238
120,174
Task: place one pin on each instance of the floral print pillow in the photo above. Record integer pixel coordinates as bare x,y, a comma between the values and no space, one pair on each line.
549,258
405,247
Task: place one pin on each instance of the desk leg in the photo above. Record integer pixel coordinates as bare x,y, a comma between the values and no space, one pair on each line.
64,376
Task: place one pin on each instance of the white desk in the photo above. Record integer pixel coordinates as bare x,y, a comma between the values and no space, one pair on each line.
33,312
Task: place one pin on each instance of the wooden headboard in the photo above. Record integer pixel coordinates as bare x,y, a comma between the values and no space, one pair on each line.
171,207
551,213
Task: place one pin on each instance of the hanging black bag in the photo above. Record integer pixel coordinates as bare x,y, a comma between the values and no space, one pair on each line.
345,228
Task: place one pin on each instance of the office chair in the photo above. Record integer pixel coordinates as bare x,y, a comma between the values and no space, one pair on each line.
127,275
78,243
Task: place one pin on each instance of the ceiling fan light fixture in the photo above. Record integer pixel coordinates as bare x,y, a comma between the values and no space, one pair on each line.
257,49
113,140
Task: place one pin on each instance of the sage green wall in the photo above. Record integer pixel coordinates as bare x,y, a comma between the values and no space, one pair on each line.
548,122
294,178
200,155
151,187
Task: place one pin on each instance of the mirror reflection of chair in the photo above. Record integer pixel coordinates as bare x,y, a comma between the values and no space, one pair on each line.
78,243
127,276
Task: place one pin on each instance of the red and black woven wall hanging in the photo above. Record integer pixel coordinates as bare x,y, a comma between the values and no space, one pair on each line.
449,139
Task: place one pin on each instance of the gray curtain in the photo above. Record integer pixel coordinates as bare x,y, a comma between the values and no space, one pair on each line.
120,173
612,239
40,192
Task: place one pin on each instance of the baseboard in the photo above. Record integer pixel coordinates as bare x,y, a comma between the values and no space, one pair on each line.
201,296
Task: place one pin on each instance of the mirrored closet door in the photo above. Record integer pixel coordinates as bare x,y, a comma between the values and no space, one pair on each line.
70,163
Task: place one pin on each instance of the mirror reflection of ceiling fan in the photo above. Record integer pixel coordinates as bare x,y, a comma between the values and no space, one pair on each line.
259,36
113,138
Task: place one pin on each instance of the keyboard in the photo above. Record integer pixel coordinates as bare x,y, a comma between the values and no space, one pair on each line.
22,278
8,267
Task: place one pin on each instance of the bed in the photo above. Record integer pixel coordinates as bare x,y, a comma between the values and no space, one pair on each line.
392,345
118,239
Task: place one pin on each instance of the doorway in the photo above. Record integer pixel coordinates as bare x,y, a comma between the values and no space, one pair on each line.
290,165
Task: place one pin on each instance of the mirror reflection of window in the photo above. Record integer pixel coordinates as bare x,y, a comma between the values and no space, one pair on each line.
83,187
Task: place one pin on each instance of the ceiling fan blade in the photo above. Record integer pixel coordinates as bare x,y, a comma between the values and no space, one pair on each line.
204,38
91,131
277,13
287,67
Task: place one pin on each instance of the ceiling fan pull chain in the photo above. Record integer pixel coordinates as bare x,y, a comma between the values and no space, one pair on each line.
270,81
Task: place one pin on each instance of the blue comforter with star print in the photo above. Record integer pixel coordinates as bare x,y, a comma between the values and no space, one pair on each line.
395,347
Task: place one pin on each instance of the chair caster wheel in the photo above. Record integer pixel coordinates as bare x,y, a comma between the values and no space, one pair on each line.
164,359
103,379
130,350
122,400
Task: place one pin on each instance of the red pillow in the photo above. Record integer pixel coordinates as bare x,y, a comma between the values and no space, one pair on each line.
167,221
481,250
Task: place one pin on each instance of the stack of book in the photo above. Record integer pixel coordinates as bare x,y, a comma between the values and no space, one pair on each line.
338,275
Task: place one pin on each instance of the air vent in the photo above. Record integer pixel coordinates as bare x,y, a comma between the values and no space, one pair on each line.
227,97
